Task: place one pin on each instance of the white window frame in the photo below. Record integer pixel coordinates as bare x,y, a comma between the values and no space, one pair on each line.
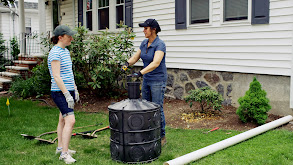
84,14
123,6
28,23
98,8
188,15
236,22
95,17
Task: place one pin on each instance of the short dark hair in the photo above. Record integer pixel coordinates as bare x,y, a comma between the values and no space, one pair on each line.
157,30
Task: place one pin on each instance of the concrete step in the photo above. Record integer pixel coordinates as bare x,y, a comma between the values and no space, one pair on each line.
4,80
25,62
9,74
19,68
5,83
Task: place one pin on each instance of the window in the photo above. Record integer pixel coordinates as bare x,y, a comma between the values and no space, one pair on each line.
235,10
89,14
199,11
119,11
28,26
103,12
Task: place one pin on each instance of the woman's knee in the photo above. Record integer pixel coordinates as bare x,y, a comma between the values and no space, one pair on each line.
70,120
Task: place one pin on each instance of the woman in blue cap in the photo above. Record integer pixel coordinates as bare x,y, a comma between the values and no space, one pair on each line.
63,89
152,51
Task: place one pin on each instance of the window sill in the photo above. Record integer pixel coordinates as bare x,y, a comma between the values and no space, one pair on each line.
199,25
236,23
104,30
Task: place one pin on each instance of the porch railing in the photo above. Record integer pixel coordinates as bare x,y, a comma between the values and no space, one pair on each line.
32,45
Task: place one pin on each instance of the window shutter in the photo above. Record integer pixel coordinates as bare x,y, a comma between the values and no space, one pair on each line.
80,12
260,11
180,14
128,13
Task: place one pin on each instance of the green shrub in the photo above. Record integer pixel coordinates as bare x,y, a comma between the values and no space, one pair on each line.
206,97
97,58
2,45
96,63
3,49
40,81
14,48
254,105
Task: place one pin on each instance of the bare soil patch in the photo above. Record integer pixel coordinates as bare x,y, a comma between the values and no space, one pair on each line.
175,111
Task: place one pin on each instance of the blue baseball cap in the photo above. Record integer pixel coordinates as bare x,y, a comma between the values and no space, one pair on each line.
63,29
151,23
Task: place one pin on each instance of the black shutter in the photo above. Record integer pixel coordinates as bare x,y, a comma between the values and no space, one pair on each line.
128,13
80,12
180,14
260,12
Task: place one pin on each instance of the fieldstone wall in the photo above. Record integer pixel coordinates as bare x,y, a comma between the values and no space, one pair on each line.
230,85
181,81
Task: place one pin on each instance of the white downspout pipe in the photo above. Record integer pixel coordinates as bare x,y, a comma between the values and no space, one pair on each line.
228,142
291,74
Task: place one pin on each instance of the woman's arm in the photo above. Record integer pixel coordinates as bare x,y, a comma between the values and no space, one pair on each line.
134,58
55,64
156,62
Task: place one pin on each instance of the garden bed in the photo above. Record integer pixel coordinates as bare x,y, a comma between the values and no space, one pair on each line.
175,112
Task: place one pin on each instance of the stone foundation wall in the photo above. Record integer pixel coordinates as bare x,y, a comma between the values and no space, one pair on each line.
180,82
230,85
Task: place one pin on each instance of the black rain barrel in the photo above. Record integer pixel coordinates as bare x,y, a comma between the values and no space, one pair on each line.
135,129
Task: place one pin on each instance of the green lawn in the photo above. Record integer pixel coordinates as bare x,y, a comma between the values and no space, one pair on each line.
271,148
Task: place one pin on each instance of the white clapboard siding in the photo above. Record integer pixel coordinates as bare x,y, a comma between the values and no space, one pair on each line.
33,15
49,19
234,46
66,13
5,28
230,55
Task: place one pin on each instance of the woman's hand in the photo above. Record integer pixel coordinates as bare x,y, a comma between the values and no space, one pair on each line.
69,99
76,95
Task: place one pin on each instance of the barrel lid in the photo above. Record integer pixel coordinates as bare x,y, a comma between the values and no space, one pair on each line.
133,105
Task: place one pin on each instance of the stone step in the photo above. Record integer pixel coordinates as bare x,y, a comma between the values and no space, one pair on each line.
19,68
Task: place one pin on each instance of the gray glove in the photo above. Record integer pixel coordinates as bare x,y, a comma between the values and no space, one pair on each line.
69,100
76,95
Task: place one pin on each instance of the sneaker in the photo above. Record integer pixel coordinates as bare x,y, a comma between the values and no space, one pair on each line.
163,141
67,158
70,152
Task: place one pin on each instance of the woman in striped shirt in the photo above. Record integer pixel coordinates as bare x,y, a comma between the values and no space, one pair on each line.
63,89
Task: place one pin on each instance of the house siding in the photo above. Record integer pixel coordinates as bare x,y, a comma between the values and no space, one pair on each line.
207,53
5,26
232,47
49,19
66,13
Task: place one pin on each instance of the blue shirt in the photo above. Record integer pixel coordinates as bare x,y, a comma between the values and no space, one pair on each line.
147,56
66,73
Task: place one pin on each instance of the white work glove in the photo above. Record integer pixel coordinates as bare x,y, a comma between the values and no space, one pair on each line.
76,95
69,100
